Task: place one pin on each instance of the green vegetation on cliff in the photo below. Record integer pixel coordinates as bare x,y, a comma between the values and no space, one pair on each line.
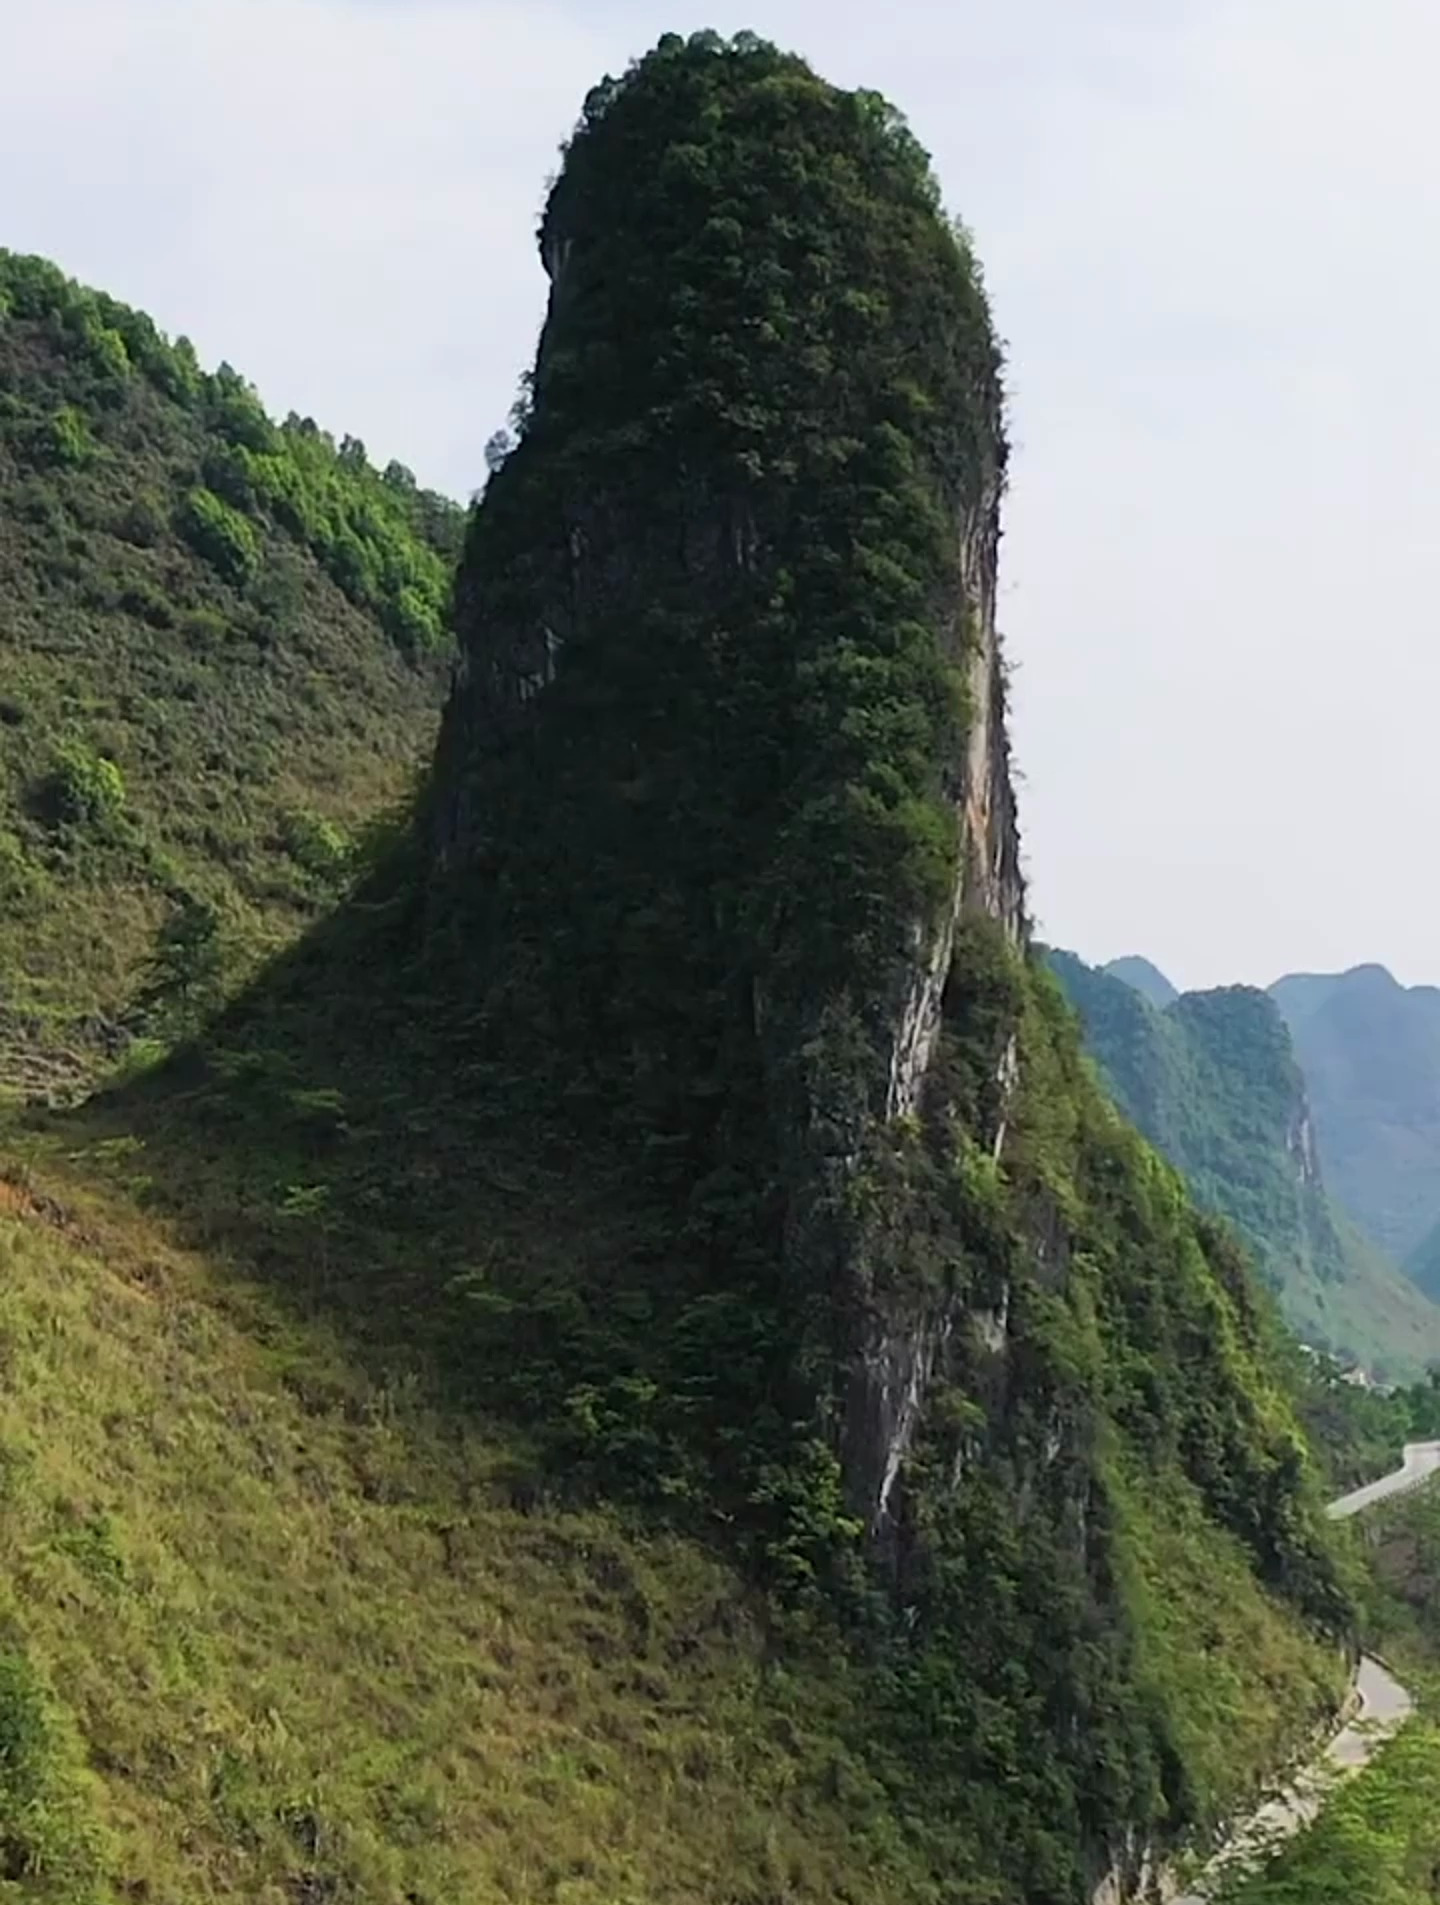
220,659
1211,1079
647,1367
704,801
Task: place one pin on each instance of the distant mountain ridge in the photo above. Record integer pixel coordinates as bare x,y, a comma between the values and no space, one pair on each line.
1213,1081
1145,978
1370,1051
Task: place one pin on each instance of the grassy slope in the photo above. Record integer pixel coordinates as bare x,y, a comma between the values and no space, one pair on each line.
239,708
1374,1314
241,1391
301,1636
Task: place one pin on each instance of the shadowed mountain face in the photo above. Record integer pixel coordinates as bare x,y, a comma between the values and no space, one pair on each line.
1370,1050
1212,1079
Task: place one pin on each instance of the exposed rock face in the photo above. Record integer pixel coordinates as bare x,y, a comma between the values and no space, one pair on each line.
1300,1143
898,1348
1139,1874
889,1380
725,780
899,1354
987,875
726,535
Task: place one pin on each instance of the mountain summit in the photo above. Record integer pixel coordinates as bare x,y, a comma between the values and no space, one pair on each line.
1144,978
1370,1048
723,797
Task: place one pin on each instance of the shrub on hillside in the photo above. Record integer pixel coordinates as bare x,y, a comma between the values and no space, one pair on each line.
84,789
204,629
186,969
67,438
141,598
24,1750
221,535
142,521
317,845
106,350
17,876
415,621
43,1842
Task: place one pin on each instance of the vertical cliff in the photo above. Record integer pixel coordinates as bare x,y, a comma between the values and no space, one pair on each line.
745,641
723,795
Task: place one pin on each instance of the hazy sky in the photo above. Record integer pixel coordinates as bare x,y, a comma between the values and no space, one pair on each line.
1210,231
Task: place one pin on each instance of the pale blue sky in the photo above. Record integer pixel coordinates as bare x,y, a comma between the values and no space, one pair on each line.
1209,228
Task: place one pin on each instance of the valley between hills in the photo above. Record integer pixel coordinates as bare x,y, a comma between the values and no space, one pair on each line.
1302,1116
584,1315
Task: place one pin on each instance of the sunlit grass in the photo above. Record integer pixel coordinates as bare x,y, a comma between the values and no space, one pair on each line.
302,1634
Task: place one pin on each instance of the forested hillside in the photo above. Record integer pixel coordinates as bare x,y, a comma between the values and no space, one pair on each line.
1211,1078
634,1361
1371,1050
222,650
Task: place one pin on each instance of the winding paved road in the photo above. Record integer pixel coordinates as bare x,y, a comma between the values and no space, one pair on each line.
1420,1462
1377,1709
